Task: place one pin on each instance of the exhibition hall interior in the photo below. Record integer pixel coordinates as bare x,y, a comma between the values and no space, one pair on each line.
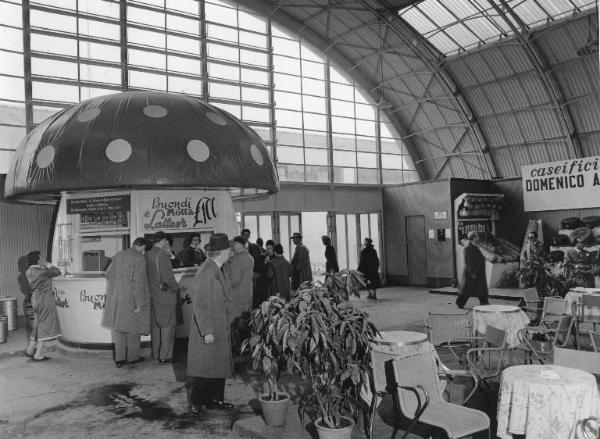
300,219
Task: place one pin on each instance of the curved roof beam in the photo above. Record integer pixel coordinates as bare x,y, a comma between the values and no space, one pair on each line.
425,52
368,83
543,70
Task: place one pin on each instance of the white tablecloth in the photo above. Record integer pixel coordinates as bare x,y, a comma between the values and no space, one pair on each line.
545,401
508,318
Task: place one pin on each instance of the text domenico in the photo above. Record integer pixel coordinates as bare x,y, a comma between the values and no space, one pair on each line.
569,175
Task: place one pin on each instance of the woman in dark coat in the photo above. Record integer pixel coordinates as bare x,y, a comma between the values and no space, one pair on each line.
473,283
331,262
46,326
368,265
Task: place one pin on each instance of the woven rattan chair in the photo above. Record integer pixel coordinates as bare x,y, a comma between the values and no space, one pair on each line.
419,399
595,336
554,309
542,350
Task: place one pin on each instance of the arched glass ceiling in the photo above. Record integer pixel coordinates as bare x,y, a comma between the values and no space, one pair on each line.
319,126
456,26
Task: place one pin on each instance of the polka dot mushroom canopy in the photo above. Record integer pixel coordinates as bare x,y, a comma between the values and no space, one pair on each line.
140,140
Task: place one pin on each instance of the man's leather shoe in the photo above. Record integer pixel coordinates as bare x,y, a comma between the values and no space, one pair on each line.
166,361
120,363
219,405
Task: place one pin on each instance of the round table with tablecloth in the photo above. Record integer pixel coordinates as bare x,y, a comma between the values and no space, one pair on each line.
545,401
506,317
573,298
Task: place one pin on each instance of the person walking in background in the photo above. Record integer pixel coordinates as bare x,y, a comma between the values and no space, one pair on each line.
127,310
473,283
46,326
368,265
239,273
301,269
259,265
278,272
192,254
331,262
164,295
210,359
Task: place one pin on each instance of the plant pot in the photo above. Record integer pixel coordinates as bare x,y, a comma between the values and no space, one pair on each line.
274,411
344,432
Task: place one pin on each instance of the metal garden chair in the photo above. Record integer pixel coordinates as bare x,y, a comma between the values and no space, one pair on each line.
588,311
547,338
595,337
453,331
531,304
419,399
487,360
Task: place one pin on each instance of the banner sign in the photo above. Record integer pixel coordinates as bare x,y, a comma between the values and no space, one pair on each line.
99,205
568,184
185,210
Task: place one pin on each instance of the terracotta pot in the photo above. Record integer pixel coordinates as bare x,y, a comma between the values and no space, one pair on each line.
274,411
335,433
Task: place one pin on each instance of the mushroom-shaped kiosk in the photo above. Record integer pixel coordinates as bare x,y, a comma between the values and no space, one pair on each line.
128,165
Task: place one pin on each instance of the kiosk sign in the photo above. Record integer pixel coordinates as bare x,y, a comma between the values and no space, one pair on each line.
182,210
568,184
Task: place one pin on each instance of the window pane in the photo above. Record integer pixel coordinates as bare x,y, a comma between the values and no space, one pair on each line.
108,75
342,108
317,174
367,160
314,104
109,31
235,110
256,114
315,121
368,176
374,221
283,64
10,137
146,59
344,142
342,91
181,44
225,91
291,101
352,241
55,92
390,161
315,139
252,22
251,223
12,113
185,65
313,87
368,144
255,76
264,228
102,52
344,158
289,137
290,172
147,80
46,43
183,24
253,57
286,47
344,175
313,70
252,39
50,67
145,37
185,85
365,127
223,71
284,234
316,156
287,82
342,125
11,39
288,154
221,14
48,20
286,118
219,51
146,17
391,177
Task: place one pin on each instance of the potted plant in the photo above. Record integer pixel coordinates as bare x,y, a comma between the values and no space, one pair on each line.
266,345
329,346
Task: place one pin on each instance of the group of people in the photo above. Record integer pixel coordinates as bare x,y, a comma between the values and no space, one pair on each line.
142,297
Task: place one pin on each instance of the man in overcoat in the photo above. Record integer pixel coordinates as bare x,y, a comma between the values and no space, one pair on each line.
210,360
473,283
279,271
239,272
164,291
301,270
127,309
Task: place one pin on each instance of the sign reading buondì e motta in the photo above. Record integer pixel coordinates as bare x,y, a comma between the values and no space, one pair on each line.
568,184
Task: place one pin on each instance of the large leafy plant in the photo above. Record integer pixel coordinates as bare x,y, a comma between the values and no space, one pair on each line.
320,336
269,349
536,273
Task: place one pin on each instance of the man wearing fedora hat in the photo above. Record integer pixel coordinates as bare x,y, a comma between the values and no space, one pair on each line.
301,270
210,360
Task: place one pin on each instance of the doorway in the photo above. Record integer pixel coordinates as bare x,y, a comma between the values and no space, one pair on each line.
416,250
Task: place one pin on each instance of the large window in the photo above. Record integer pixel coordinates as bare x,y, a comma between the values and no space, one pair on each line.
319,125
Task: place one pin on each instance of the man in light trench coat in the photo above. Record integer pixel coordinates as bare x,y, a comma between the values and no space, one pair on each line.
210,360
127,310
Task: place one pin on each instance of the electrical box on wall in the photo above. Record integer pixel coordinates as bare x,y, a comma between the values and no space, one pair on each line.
441,234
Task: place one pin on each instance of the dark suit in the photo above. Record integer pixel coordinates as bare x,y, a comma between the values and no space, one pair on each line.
164,302
473,282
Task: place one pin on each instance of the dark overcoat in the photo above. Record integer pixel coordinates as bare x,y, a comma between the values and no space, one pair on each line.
368,265
473,282
211,302
239,271
301,269
164,302
127,289
279,271
331,262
